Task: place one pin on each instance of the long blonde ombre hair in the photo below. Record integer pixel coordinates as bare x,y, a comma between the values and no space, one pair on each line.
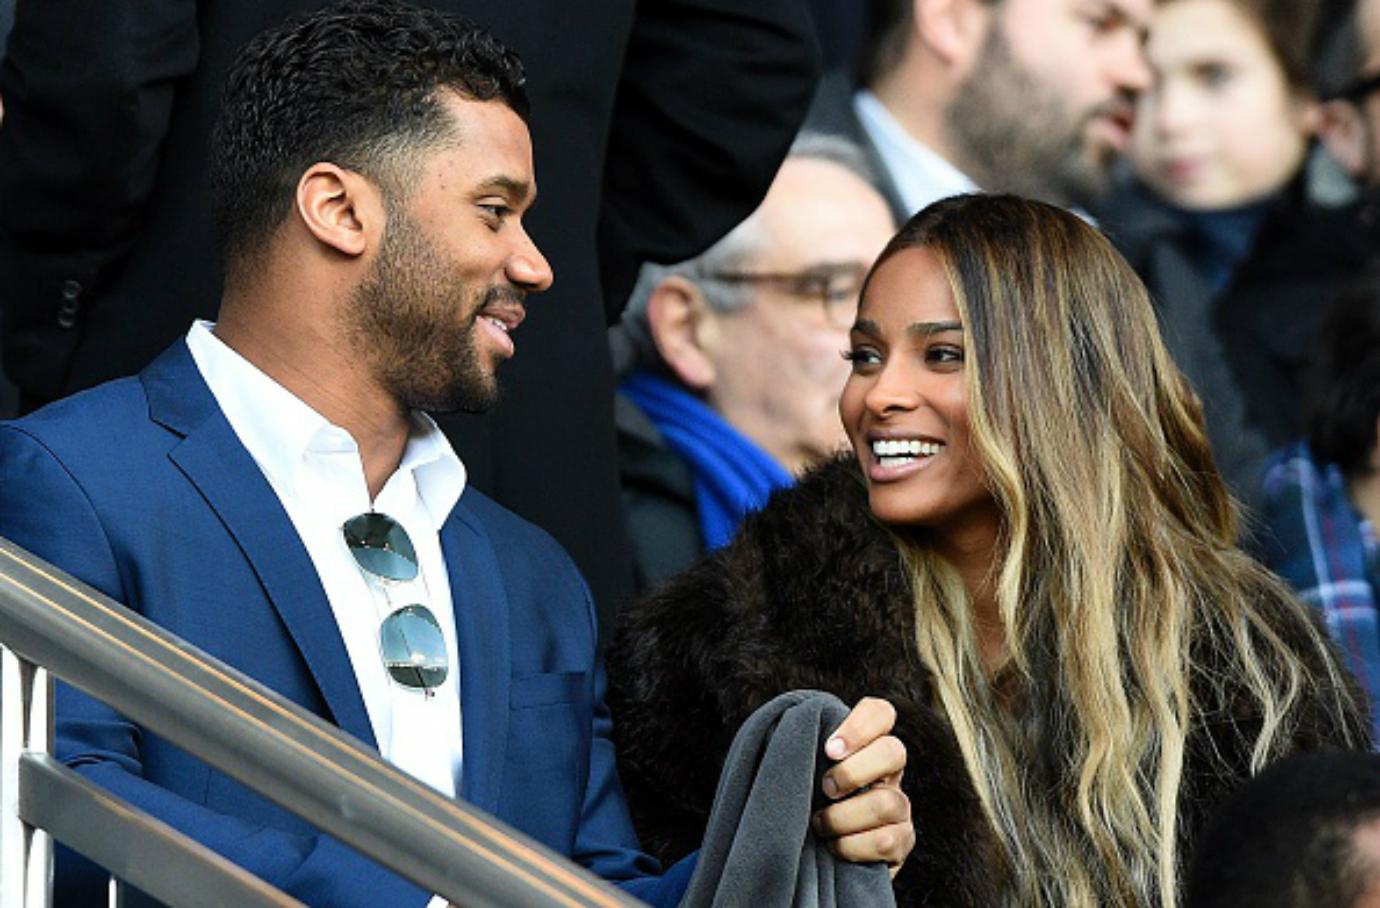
1116,574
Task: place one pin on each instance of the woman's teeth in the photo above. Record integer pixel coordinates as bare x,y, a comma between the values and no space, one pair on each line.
895,452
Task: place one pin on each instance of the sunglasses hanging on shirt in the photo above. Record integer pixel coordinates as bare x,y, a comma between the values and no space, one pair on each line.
410,638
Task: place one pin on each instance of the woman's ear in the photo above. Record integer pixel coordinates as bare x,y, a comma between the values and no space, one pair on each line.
1342,132
681,325
340,208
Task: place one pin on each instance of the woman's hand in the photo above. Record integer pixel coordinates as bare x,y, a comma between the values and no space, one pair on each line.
870,820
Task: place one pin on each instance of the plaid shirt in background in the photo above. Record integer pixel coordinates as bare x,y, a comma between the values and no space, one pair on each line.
1327,551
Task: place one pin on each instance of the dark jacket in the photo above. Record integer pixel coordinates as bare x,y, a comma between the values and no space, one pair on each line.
659,504
1271,317
656,127
1160,244
811,594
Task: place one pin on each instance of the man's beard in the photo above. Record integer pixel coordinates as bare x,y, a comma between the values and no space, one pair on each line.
1013,134
413,321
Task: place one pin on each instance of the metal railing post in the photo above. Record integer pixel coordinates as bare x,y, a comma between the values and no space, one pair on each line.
53,623
26,725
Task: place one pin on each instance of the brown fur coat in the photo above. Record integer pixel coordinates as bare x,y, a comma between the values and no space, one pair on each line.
811,594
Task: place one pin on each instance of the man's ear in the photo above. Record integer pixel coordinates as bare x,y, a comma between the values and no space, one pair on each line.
681,321
953,30
340,208
1343,133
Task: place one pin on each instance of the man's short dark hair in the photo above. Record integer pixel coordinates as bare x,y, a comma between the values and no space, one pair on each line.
888,22
1288,837
357,84
1344,398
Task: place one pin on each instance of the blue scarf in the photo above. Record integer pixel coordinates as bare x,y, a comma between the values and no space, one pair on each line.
732,475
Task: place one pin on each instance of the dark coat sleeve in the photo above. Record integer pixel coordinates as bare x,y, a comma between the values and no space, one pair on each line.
711,95
88,91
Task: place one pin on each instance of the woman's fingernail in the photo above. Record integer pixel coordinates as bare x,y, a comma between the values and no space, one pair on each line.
831,788
836,748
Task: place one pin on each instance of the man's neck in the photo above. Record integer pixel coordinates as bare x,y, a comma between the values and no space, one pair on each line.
328,377
923,119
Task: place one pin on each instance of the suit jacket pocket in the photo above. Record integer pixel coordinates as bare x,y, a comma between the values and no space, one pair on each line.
546,689
549,725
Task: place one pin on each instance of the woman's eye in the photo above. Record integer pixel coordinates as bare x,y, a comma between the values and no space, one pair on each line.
944,355
861,356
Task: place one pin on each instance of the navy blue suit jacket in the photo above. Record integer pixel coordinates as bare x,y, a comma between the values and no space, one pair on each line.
141,489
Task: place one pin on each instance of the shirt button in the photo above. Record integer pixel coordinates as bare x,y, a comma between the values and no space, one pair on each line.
70,305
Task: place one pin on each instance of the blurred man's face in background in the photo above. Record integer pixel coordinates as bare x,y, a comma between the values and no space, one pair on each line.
777,362
1048,107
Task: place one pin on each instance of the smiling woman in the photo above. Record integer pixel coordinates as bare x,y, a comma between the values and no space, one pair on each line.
1030,554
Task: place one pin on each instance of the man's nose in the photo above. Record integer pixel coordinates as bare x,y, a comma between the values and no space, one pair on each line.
1130,69
528,268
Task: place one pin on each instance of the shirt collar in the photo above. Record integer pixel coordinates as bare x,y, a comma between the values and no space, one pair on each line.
921,176
279,429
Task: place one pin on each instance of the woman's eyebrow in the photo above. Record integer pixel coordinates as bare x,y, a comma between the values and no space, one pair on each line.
929,329
868,327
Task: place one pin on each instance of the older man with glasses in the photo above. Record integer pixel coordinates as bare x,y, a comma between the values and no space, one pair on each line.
271,489
734,357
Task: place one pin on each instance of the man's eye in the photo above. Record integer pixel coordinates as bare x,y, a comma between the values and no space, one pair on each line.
495,211
1103,22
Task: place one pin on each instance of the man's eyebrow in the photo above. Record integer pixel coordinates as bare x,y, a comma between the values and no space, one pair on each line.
929,329
518,190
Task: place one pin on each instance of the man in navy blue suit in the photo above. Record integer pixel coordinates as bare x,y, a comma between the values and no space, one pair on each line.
271,490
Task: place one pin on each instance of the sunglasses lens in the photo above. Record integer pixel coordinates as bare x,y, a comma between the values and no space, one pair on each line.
380,546
414,650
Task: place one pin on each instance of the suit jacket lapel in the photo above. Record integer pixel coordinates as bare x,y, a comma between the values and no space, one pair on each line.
481,622
213,459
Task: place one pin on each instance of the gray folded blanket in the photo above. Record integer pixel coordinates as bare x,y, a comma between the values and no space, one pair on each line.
758,849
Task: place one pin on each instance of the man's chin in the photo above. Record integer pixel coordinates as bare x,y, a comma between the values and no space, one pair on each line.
472,395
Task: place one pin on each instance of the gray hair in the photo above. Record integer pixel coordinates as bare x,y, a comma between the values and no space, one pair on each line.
633,337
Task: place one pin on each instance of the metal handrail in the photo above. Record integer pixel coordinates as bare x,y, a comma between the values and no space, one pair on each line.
271,745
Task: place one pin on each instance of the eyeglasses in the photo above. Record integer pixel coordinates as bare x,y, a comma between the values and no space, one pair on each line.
836,286
1358,89
410,638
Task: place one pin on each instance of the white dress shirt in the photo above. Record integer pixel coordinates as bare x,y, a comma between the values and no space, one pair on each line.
920,175
315,469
